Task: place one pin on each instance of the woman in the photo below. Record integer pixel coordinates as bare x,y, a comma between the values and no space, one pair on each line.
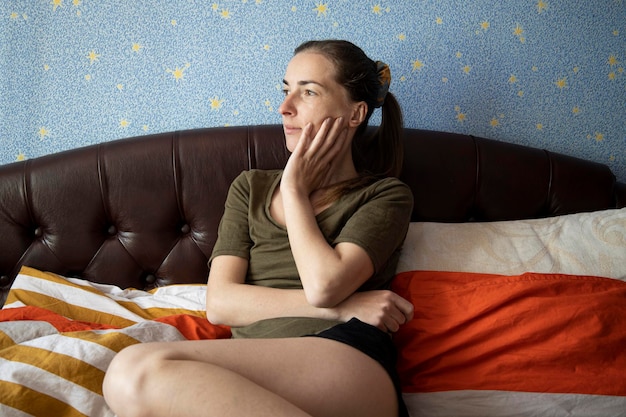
308,250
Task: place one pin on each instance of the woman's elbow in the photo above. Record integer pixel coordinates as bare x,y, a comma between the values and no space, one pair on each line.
323,297
214,314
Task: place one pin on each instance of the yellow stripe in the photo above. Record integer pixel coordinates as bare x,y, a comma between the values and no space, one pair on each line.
5,340
33,402
64,366
115,341
156,312
70,310
36,299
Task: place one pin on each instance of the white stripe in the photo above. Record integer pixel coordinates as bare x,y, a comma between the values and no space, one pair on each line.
6,411
150,331
467,403
74,296
100,356
18,332
189,297
85,401
90,353
14,304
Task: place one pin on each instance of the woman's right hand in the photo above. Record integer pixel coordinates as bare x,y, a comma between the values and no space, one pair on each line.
380,308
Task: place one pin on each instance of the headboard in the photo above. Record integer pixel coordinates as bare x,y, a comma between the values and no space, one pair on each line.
143,212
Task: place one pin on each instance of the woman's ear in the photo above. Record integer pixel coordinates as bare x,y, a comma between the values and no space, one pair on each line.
359,112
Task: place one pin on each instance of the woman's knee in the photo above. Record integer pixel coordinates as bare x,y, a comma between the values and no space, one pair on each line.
125,377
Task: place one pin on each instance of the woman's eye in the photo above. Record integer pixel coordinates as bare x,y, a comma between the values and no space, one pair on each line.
309,93
285,91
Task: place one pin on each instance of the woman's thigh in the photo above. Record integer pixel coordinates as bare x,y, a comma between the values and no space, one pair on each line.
323,377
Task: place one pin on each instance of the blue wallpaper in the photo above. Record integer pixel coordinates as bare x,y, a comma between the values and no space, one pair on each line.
545,73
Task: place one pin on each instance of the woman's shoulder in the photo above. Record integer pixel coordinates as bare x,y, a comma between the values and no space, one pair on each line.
260,174
254,177
391,186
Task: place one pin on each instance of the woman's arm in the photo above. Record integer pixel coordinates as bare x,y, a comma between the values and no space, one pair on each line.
232,302
328,274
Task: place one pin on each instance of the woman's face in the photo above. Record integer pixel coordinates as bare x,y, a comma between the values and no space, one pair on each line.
312,95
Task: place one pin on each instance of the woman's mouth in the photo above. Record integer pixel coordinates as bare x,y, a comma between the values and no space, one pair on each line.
291,130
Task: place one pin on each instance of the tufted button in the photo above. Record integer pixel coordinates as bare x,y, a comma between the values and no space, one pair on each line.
185,229
112,230
150,279
4,280
38,232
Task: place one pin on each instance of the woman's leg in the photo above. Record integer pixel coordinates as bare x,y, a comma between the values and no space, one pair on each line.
306,376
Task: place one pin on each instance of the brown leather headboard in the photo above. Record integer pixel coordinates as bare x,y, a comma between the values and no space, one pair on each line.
143,212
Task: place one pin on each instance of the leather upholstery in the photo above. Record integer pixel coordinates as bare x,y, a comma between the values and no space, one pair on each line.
143,212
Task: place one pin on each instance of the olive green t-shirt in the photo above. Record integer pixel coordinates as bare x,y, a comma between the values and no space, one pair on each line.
375,217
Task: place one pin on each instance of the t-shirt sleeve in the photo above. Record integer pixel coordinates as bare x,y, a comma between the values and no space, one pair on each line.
233,233
380,225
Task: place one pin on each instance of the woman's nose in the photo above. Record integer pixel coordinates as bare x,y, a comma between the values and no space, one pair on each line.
286,107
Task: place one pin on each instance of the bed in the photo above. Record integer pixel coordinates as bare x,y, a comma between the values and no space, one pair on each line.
515,261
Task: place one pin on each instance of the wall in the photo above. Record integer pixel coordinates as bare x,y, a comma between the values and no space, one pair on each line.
545,73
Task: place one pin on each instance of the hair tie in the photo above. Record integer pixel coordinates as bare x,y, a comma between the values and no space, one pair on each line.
384,78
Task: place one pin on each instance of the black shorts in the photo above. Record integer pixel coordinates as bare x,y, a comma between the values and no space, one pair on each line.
374,343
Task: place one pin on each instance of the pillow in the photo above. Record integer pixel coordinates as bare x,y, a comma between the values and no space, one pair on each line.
579,244
512,345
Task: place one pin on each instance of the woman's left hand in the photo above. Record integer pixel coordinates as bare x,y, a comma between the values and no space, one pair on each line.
310,166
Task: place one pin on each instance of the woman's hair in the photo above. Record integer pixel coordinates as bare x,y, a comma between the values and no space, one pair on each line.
381,153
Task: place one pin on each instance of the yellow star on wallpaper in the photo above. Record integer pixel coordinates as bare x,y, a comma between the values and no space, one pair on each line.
321,9
137,47
178,73
216,103
77,2
467,69
124,123
93,57
43,132
539,126
576,110
225,13
612,60
20,156
484,25
377,9
56,4
215,7
599,137
512,79
439,21
460,117
561,83
541,6
494,122
14,16
417,65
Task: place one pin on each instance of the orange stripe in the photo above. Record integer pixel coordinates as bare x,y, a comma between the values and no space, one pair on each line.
548,333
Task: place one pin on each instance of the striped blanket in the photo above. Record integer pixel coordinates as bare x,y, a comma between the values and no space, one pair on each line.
479,345
58,336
